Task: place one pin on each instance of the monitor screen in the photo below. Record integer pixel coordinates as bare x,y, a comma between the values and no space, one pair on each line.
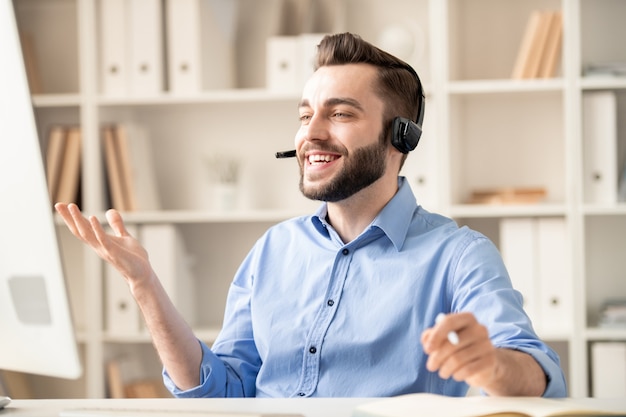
36,331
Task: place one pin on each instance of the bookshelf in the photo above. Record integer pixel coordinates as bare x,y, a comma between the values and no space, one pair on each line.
483,129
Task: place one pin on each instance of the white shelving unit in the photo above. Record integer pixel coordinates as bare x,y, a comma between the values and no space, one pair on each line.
482,130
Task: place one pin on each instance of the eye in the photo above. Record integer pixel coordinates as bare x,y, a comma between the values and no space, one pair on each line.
304,118
341,115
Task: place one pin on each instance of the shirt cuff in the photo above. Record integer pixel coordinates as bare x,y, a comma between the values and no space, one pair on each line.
212,378
556,386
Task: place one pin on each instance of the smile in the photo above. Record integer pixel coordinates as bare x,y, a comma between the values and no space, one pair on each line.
318,159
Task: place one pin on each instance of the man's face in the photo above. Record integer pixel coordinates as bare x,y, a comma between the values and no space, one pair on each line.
341,146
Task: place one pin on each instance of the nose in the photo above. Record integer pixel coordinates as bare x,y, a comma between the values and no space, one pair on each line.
314,129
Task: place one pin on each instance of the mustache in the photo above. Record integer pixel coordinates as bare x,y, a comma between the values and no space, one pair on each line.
329,149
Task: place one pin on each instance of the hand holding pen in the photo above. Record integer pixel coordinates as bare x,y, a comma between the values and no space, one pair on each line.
459,347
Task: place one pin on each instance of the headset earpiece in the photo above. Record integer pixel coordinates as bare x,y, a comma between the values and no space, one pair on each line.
405,134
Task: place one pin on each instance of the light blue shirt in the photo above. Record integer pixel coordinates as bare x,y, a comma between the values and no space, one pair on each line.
308,315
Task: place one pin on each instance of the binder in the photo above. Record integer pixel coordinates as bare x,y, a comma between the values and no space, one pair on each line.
600,147
183,45
282,63
290,61
146,47
170,261
535,253
608,369
114,52
122,315
554,268
518,249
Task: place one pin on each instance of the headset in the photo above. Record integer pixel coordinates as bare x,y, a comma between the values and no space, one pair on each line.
406,133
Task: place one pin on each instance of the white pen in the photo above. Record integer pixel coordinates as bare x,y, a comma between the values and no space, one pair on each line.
453,337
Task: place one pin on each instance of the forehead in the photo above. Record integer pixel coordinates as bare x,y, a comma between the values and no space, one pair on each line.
352,81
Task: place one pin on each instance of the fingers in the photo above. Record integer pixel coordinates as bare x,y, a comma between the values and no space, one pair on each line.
469,359
89,230
75,221
117,224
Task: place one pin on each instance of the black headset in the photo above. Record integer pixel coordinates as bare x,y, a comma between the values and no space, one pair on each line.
406,133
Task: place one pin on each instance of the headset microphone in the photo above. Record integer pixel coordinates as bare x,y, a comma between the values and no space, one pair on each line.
286,154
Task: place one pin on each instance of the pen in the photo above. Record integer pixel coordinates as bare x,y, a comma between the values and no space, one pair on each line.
453,337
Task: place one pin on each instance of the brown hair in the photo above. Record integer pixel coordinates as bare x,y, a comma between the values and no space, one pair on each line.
398,84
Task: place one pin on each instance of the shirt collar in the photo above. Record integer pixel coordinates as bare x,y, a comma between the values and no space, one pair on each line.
394,219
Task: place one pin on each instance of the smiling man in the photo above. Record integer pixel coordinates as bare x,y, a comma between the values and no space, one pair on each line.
344,302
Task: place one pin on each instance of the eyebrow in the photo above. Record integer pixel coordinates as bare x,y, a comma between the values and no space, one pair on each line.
333,102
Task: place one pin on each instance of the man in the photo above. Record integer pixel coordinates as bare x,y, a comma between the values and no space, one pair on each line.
344,302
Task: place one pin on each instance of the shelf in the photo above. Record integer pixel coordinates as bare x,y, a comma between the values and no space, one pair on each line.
217,96
504,86
605,209
194,216
603,83
205,334
480,211
597,333
56,100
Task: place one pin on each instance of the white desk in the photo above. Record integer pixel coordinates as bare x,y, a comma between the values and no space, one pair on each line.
308,407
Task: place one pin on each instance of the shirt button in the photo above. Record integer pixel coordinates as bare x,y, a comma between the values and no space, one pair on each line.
345,251
312,349
330,303
301,394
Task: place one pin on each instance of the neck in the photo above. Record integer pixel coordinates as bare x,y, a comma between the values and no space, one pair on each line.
351,216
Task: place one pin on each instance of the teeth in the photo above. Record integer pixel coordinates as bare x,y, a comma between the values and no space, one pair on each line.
318,159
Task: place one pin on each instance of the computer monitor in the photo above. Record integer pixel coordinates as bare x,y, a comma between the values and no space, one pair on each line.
36,330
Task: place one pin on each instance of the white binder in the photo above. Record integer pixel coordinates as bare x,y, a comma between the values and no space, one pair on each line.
608,369
600,146
555,290
114,76
282,63
122,315
183,46
518,249
535,253
146,47
170,262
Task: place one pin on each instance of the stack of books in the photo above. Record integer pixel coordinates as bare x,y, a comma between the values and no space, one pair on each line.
613,314
605,69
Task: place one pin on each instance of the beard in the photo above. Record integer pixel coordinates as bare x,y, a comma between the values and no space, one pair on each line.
361,169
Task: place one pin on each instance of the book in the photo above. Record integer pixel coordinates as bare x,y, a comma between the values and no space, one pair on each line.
540,46
69,176
54,159
111,159
434,405
508,195
621,192
30,63
130,171
528,42
137,168
552,49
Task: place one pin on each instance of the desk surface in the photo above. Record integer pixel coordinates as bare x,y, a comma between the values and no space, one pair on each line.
307,407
